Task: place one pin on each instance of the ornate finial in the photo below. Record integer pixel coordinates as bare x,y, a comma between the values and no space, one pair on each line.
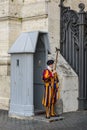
63,0
82,7
57,49
61,3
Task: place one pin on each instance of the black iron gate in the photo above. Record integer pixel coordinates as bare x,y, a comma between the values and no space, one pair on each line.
73,45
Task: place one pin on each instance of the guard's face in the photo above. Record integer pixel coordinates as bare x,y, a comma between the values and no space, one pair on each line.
51,66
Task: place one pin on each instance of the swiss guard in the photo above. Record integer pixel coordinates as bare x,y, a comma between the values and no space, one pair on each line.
50,96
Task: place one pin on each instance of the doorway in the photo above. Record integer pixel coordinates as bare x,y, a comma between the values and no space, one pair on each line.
39,65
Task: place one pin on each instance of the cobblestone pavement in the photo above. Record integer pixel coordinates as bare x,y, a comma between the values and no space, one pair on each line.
71,121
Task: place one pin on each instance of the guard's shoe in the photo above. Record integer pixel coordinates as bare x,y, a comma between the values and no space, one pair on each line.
48,117
53,114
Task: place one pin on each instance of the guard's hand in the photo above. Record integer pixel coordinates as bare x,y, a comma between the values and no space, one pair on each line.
53,72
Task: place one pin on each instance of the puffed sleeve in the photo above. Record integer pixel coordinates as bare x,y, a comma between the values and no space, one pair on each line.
46,75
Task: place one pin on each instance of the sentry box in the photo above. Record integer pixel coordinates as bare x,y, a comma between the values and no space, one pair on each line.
28,59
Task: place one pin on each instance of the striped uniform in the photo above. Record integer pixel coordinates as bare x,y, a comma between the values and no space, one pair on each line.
51,88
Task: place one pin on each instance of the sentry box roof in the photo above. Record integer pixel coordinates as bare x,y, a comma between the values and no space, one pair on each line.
27,41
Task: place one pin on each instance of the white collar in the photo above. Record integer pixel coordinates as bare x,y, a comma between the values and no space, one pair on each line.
49,68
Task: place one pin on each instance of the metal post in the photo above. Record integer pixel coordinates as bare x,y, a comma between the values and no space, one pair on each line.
82,89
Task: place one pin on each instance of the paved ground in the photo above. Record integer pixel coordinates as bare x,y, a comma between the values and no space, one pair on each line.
71,121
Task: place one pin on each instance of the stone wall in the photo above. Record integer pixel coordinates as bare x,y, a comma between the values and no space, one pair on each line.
4,77
36,17
54,24
10,28
68,86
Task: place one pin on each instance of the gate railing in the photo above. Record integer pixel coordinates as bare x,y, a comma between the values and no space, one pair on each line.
73,45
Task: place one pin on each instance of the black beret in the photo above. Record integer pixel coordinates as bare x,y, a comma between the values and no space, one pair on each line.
50,62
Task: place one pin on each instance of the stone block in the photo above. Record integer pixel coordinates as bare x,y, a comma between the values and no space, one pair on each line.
4,8
70,100
4,103
34,9
40,24
14,30
4,92
3,70
54,25
4,37
4,86
68,85
15,8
